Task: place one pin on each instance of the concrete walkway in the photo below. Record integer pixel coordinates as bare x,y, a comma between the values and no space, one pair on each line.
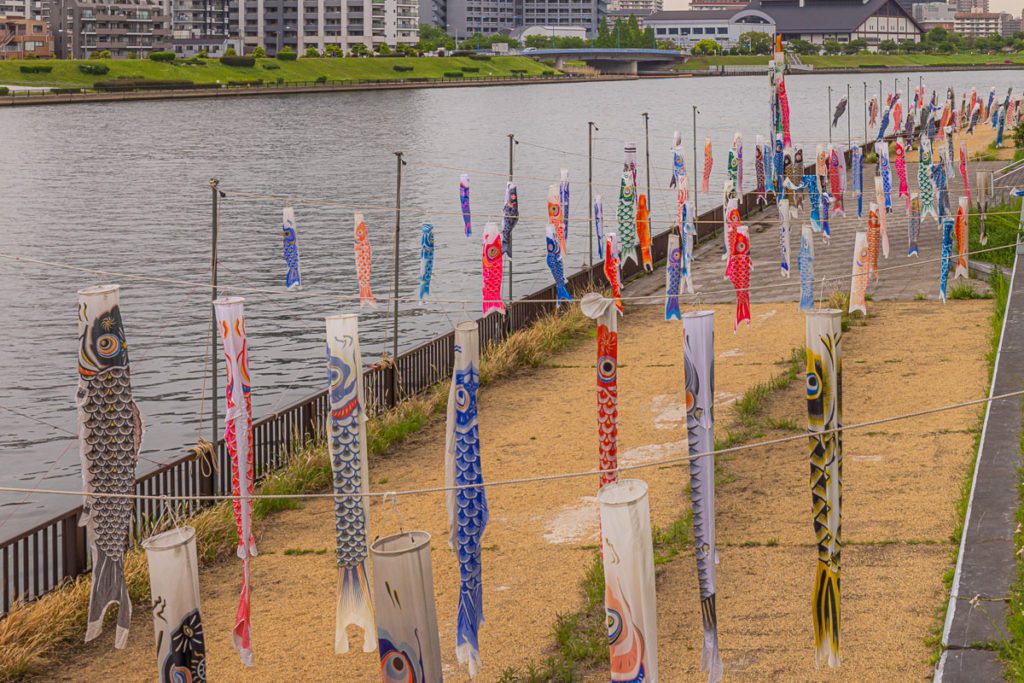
986,565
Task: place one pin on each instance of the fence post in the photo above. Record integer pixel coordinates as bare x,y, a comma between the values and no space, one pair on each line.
74,547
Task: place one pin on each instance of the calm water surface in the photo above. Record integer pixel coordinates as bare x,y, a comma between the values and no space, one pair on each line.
123,187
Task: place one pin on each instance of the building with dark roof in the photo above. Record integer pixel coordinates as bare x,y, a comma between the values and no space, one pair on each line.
688,27
817,21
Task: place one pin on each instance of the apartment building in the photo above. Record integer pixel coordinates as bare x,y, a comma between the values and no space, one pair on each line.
21,38
933,14
301,24
1012,24
978,23
969,5
636,6
200,26
734,5
125,28
467,17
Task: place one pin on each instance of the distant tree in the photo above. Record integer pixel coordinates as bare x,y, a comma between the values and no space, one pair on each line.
102,54
311,52
707,47
888,47
667,45
1018,135
832,47
803,47
855,46
908,47
359,50
202,54
383,49
407,49
332,50
257,52
230,52
604,34
755,43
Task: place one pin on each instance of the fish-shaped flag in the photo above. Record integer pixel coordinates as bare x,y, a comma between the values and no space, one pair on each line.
347,444
110,435
426,259
983,193
779,166
492,270
627,237
885,173
554,259
599,224
842,170
805,264
708,163
883,221
239,441
857,162
563,196
629,161
464,202
509,217
975,117
730,221
689,237
814,199
949,156
988,107
963,169
643,233
897,116
673,277
292,278
884,123
678,162
861,274
594,305
901,168
908,126
874,238
824,425
769,168
466,507
839,111
913,225
1000,126
963,211
872,111
738,271
946,259
784,253
924,179
555,215
364,262
784,109
732,167
699,384
826,212
821,168
737,144
611,267
759,170
941,188
835,182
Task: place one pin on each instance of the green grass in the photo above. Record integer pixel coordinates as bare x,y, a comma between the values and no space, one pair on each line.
1001,228
964,290
872,60
1012,649
66,73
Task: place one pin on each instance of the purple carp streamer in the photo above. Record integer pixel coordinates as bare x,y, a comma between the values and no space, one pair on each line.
467,507
403,581
347,445
509,217
824,414
563,195
699,380
599,225
110,435
914,225
861,274
464,202
784,253
426,259
629,597
673,278
292,279
857,161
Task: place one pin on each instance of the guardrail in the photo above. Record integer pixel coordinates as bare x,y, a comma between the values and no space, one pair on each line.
1008,177
38,560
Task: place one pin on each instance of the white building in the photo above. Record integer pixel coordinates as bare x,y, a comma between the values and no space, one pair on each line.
817,21
524,32
636,6
978,24
274,24
688,27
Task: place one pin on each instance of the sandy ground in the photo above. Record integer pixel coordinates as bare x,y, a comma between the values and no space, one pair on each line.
901,481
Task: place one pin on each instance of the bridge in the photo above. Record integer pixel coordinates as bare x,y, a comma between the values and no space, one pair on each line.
612,60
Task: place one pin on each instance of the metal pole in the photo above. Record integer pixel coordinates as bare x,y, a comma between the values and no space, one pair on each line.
214,226
590,192
694,167
394,316
906,105
647,153
828,115
849,117
865,112
511,142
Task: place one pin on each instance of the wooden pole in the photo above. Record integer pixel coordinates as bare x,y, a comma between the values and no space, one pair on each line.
207,482
394,315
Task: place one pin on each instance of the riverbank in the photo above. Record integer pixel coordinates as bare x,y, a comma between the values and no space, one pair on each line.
865,61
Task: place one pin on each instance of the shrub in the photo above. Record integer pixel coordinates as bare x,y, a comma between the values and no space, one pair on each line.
321,79
547,72
259,52
280,81
232,60
132,54
481,58
148,84
462,53
102,54
311,52
1018,135
470,69
202,54
287,54
246,84
230,52
65,91
271,66
94,69
35,69
453,74
194,61
4,90
332,50
402,69
417,79
519,72
162,56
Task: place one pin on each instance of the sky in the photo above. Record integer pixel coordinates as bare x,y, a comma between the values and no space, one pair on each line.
1014,7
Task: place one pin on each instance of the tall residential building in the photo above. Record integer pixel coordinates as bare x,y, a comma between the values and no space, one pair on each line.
124,27
301,24
978,24
16,8
969,5
200,25
636,6
21,37
434,12
467,17
1012,24
933,14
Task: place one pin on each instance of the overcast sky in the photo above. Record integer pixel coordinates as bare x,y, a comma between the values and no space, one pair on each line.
1012,6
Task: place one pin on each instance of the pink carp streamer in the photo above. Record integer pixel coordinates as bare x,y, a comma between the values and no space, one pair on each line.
493,269
738,272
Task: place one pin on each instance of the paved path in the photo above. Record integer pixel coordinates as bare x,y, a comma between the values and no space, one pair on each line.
916,276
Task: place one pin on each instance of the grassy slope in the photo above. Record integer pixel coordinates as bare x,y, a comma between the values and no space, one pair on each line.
852,61
1001,227
66,74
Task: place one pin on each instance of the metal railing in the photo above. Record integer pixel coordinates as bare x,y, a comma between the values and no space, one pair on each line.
38,560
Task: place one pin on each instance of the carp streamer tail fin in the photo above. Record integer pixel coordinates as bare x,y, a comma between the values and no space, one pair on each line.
108,587
710,658
826,616
354,607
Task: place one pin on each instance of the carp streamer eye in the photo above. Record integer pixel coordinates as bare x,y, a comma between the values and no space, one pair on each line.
108,345
606,369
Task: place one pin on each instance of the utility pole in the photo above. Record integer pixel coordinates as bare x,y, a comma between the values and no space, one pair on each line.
214,225
647,153
511,143
394,316
590,191
694,167
849,116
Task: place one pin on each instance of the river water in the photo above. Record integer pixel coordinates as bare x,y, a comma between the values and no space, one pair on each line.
123,188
